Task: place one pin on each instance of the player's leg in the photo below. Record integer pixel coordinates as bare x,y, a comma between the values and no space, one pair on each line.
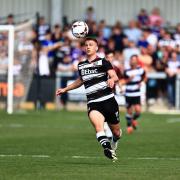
97,120
136,115
129,116
107,130
117,133
129,113
112,117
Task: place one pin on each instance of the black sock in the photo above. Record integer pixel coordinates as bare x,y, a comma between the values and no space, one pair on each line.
129,119
115,138
103,140
136,116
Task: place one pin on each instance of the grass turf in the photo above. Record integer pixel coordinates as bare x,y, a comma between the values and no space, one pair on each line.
62,146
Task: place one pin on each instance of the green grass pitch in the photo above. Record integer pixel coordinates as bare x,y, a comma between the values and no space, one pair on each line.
61,145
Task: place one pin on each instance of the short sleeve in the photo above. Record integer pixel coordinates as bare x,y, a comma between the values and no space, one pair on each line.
125,75
107,65
79,72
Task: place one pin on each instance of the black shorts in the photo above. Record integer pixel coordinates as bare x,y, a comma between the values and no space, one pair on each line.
132,101
108,108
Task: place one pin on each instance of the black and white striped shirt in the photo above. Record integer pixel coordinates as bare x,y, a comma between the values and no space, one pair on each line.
133,86
95,75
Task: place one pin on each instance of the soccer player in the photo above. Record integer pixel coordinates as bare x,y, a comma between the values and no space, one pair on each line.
98,77
133,79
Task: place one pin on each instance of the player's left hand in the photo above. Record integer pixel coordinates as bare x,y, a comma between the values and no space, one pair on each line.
111,83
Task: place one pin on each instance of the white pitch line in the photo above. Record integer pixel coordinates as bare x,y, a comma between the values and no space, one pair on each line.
21,155
85,157
134,158
16,125
154,158
173,120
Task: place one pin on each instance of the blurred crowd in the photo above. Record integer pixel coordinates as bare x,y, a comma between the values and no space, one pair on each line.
147,35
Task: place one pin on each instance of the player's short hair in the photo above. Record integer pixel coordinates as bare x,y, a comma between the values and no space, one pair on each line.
91,39
134,55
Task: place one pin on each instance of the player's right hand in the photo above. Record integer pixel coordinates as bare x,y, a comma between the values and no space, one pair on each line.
60,92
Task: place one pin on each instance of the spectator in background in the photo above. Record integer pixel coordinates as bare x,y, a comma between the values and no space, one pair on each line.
101,39
177,33
66,68
162,33
90,15
113,58
119,38
149,37
93,29
57,33
10,20
43,71
47,42
76,50
161,57
172,69
142,42
24,47
105,29
145,59
128,52
156,17
133,33
167,41
101,52
156,28
143,18
110,45
42,27
3,62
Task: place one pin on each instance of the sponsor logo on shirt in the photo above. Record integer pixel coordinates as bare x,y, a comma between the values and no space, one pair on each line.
88,71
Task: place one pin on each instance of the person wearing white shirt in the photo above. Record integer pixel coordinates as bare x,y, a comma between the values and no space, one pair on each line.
133,32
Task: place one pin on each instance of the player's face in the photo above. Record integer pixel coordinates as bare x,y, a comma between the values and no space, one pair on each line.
90,47
134,61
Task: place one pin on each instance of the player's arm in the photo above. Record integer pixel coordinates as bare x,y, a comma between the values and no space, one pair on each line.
113,78
144,77
126,79
72,86
53,47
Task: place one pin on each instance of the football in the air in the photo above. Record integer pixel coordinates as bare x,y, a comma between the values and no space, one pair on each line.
80,29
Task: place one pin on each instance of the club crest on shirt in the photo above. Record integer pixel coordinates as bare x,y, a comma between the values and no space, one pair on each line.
95,63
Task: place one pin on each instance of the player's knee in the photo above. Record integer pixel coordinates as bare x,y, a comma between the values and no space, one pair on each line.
117,133
136,115
138,111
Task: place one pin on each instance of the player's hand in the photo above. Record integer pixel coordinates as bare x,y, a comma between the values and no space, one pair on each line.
110,83
60,92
